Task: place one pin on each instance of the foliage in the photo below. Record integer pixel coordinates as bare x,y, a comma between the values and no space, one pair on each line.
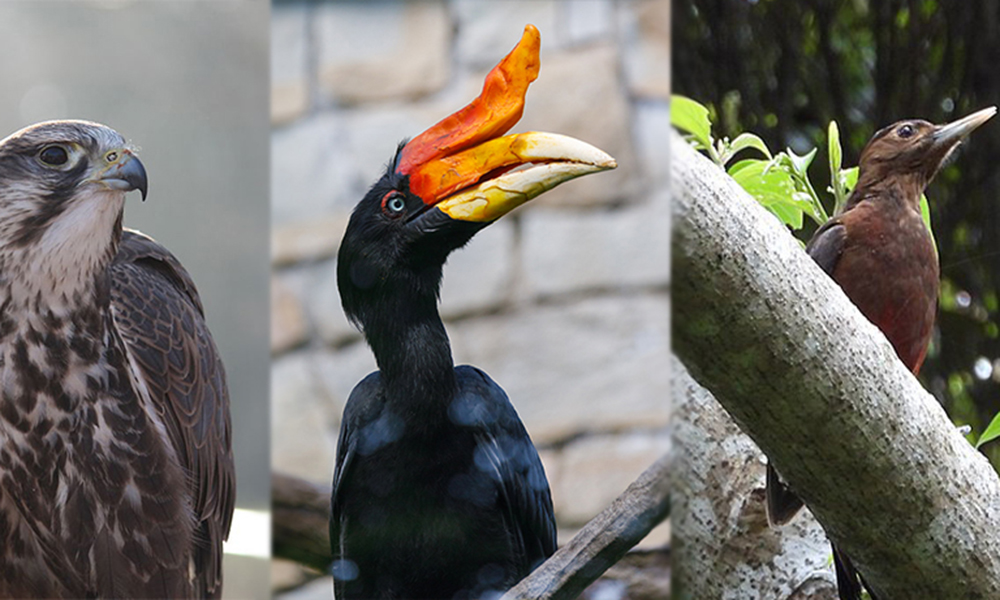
780,182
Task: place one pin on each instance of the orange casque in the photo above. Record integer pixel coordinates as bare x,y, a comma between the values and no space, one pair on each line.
451,155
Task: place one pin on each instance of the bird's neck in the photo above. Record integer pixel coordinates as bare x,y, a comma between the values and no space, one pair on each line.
412,351
61,270
903,189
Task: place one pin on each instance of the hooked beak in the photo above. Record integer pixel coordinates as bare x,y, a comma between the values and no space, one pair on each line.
463,166
952,133
126,174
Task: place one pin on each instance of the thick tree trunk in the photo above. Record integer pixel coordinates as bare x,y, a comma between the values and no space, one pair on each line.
722,544
821,391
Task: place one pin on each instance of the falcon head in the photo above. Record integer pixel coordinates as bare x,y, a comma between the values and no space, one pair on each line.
62,193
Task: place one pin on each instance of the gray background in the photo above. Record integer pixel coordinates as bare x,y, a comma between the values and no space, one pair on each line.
187,83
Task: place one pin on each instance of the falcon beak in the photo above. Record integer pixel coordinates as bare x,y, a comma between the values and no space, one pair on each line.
126,173
463,167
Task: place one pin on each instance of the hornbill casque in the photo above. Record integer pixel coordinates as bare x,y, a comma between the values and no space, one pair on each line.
880,252
438,491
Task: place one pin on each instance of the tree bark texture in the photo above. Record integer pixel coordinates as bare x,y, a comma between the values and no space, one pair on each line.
722,544
821,392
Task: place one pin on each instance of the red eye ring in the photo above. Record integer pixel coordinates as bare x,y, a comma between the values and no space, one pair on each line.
393,204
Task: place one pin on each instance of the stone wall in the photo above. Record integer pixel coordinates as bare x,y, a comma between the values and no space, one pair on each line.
564,302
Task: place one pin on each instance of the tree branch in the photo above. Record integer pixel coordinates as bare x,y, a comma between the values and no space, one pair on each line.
602,542
300,516
821,391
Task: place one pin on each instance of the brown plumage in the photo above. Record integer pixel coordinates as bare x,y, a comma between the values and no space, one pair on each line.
116,473
881,254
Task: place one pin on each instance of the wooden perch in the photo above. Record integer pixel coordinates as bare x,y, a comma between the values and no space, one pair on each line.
300,517
602,542
820,390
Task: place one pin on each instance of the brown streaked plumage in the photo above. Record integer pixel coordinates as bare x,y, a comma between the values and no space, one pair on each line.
116,470
881,254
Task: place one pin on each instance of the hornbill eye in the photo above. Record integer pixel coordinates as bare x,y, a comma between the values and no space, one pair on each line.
53,156
905,131
393,204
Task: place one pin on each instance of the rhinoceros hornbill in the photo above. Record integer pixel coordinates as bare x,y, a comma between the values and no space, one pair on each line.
438,491
116,475
881,254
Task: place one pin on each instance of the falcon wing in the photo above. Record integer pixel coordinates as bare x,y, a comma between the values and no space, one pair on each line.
160,318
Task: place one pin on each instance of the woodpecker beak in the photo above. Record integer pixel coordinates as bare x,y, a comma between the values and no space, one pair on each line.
463,167
952,133
124,172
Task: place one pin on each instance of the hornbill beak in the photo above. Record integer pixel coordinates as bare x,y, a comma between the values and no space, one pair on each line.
463,167
125,172
951,134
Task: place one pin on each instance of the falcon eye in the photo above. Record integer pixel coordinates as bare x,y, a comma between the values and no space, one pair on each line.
393,204
55,156
905,131
111,156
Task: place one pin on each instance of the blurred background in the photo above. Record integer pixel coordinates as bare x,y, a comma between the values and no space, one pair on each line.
187,83
564,302
866,65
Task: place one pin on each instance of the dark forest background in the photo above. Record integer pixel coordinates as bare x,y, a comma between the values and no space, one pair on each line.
784,69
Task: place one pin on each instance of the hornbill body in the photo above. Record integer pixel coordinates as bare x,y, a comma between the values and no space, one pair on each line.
438,491
880,252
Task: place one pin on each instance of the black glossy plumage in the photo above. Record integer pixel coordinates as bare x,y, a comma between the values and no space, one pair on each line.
438,491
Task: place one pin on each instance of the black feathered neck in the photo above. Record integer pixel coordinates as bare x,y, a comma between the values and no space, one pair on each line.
389,271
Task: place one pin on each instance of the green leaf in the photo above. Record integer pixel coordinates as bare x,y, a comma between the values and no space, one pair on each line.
992,432
691,117
925,212
833,146
850,178
836,162
748,140
773,187
801,163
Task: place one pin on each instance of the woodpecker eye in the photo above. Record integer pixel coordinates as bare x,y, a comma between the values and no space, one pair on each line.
393,204
55,156
905,131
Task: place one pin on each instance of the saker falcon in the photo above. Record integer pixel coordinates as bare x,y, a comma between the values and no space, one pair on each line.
116,469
